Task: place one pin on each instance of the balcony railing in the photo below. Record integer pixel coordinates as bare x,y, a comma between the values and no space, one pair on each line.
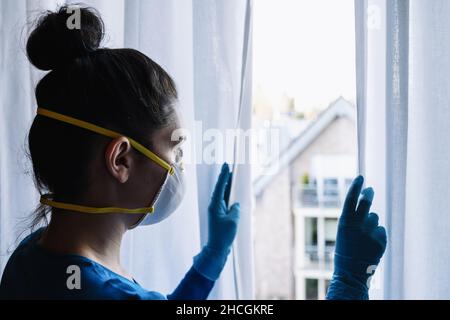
312,253
308,196
315,261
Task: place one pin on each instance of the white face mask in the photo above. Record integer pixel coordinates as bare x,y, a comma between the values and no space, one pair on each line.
168,199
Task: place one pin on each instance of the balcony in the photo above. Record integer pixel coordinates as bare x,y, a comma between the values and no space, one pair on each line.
307,196
316,261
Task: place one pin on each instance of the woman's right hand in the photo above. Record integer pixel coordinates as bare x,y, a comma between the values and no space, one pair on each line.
222,229
222,222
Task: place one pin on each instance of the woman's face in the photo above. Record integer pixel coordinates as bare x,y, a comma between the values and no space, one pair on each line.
145,176
167,142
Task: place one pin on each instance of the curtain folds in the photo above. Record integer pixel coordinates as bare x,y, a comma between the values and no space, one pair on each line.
405,147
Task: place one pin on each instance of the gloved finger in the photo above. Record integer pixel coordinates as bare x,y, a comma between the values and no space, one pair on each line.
372,221
226,196
351,199
380,235
221,184
365,202
235,211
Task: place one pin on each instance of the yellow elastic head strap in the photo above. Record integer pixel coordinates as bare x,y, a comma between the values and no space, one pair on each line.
45,199
106,132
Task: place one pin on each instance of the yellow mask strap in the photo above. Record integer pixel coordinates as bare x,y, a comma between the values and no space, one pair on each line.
73,207
108,133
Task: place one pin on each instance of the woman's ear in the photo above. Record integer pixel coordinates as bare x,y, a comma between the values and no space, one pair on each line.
118,158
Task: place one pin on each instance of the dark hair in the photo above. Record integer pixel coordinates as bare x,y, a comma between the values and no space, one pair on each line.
120,89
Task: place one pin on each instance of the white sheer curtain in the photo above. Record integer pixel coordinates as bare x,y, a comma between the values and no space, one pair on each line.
177,35
220,75
404,84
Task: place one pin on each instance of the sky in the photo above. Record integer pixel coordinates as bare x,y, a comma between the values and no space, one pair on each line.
306,49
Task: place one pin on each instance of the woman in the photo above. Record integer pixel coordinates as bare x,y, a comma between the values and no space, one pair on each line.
105,162
96,177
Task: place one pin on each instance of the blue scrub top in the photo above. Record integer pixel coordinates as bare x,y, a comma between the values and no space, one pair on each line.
33,272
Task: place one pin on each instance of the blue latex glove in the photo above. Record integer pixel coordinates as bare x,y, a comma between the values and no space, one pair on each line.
222,229
360,244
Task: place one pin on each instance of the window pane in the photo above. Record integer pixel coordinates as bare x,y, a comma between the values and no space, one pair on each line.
330,231
330,237
312,289
311,239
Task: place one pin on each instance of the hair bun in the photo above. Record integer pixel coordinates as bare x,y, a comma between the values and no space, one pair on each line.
53,44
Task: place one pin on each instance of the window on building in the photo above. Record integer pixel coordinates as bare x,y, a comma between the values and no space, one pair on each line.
311,239
330,237
312,289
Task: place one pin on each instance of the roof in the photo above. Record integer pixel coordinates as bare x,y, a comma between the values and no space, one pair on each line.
338,108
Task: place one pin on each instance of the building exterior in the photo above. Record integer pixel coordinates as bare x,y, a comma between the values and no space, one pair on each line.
297,207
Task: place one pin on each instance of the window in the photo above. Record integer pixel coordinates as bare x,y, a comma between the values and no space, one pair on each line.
330,231
330,237
312,289
311,239
299,79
